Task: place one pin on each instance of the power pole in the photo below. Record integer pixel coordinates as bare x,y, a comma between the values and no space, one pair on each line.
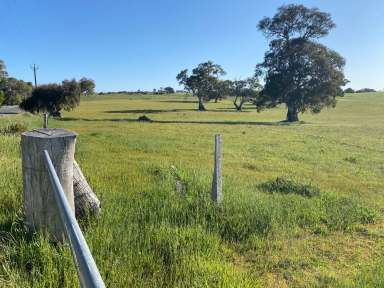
34,67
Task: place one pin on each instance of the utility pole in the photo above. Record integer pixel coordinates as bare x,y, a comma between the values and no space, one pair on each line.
34,67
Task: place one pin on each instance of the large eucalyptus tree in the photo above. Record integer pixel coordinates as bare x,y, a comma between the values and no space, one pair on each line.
297,70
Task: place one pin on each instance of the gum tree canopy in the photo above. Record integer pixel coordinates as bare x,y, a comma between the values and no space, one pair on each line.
87,86
244,90
202,82
297,70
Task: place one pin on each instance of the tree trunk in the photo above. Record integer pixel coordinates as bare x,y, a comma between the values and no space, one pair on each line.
201,104
292,114
239,107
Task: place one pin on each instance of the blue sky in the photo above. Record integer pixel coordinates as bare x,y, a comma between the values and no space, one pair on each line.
130,45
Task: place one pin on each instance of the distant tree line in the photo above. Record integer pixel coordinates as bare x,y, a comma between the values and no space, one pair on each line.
51,98
160,91
297,71
364,90
166,90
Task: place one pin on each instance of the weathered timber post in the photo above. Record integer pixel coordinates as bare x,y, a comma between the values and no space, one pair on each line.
217,182
86,201
40,207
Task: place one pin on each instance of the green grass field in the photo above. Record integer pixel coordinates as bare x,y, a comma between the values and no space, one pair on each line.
319,225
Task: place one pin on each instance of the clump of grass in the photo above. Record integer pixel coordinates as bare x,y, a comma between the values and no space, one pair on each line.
350,159
13,128
250,166
343,213
287,212
287,186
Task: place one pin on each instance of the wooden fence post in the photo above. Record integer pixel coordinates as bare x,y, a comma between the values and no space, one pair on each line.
86,201
217,182
40,207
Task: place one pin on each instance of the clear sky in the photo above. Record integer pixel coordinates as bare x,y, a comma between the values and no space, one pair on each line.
143,44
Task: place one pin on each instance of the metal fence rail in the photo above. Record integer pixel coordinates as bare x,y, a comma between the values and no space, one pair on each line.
87,270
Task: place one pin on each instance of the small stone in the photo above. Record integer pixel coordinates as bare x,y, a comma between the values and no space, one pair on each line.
180,186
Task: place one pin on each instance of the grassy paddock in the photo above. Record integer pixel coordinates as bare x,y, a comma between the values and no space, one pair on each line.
303,203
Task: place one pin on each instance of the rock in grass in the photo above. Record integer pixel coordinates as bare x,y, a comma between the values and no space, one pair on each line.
86,201
180,185
144,118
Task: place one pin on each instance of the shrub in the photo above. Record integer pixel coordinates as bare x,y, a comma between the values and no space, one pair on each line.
169,90
144,118
287,186
350,159
13,128
349,90
53,98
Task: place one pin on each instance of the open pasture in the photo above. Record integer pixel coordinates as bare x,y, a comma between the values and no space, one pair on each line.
303,203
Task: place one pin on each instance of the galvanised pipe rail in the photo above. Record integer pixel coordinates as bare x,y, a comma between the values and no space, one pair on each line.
89,275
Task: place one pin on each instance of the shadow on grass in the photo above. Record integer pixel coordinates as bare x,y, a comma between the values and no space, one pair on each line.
153,111
256,123
244,109
178,101
149,111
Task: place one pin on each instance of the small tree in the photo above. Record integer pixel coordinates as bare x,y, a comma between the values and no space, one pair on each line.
349,90
87,86
244,90
220,89
202,81
53,98
71,94
297,70
161,91
169,90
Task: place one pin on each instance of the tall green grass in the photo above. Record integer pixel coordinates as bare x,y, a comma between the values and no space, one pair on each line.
301,216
